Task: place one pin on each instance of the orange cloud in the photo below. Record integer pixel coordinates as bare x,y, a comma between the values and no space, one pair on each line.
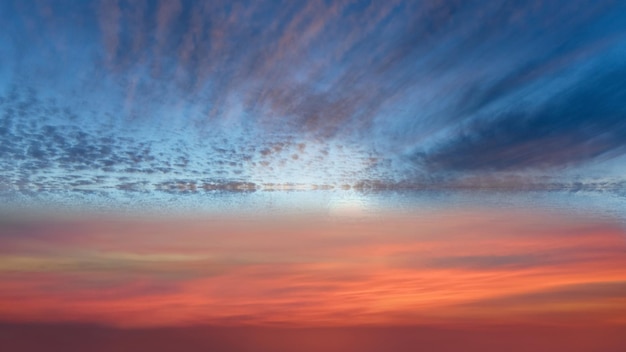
452,267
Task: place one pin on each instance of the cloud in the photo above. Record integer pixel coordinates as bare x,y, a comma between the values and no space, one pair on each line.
591,300
238,270
386,95
379,53
586,122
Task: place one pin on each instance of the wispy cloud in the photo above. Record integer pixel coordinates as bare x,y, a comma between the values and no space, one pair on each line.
390,93
315,272
583,123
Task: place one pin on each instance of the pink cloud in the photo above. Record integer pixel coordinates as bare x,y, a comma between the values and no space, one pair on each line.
434,268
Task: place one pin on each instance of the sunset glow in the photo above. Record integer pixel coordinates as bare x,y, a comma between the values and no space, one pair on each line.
440,268
312,175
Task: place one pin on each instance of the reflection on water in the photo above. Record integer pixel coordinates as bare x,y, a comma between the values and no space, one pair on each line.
365,259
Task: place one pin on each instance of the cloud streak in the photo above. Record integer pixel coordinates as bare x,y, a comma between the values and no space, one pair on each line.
315,271
433,89
175,166
584,123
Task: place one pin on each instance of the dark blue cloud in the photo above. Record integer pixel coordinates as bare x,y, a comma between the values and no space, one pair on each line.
586,121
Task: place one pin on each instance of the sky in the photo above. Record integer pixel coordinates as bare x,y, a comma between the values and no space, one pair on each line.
438,267
161,96
471,278
345,173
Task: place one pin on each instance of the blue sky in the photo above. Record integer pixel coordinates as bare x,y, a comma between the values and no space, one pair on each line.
171,95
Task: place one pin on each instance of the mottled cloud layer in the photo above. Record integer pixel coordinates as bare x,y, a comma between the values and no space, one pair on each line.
122,93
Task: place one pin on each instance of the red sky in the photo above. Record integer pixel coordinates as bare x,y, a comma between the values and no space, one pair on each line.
466,275
453,267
